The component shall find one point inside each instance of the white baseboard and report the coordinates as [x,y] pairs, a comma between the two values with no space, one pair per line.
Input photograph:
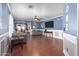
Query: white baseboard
[69,37]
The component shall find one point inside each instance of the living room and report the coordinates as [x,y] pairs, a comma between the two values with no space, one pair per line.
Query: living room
[38,29]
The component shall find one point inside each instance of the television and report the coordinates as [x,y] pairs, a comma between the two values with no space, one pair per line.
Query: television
[49,24]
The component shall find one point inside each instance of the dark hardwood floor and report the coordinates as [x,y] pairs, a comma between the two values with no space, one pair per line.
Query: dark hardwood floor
[39,46]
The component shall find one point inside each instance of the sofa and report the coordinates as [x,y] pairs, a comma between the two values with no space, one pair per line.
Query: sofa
[37,32]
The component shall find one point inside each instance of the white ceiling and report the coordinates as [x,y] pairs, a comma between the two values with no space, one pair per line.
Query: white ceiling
[21,11]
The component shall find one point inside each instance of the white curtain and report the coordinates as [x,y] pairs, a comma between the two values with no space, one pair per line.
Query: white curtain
[11,25]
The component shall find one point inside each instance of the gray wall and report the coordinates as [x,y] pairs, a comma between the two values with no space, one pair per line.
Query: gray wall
[69,38]
[4,18]
[58,23]
[4,28]
[72,22]
[0,18]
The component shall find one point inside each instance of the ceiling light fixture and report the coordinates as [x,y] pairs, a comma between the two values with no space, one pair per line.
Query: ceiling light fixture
[36,18]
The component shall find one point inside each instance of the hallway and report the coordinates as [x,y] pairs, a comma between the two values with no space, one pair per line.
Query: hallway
[39,46]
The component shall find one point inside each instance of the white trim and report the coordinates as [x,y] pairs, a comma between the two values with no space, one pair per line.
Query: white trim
[49,19]
[77,29]
[77,21]
[77,26]
[9,7]
[65,52]
[3,36]
[69,37]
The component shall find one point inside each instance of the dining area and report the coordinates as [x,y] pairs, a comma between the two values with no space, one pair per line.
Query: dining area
[18,39]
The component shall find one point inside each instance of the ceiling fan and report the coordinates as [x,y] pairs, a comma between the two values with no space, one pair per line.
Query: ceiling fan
[38,18]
